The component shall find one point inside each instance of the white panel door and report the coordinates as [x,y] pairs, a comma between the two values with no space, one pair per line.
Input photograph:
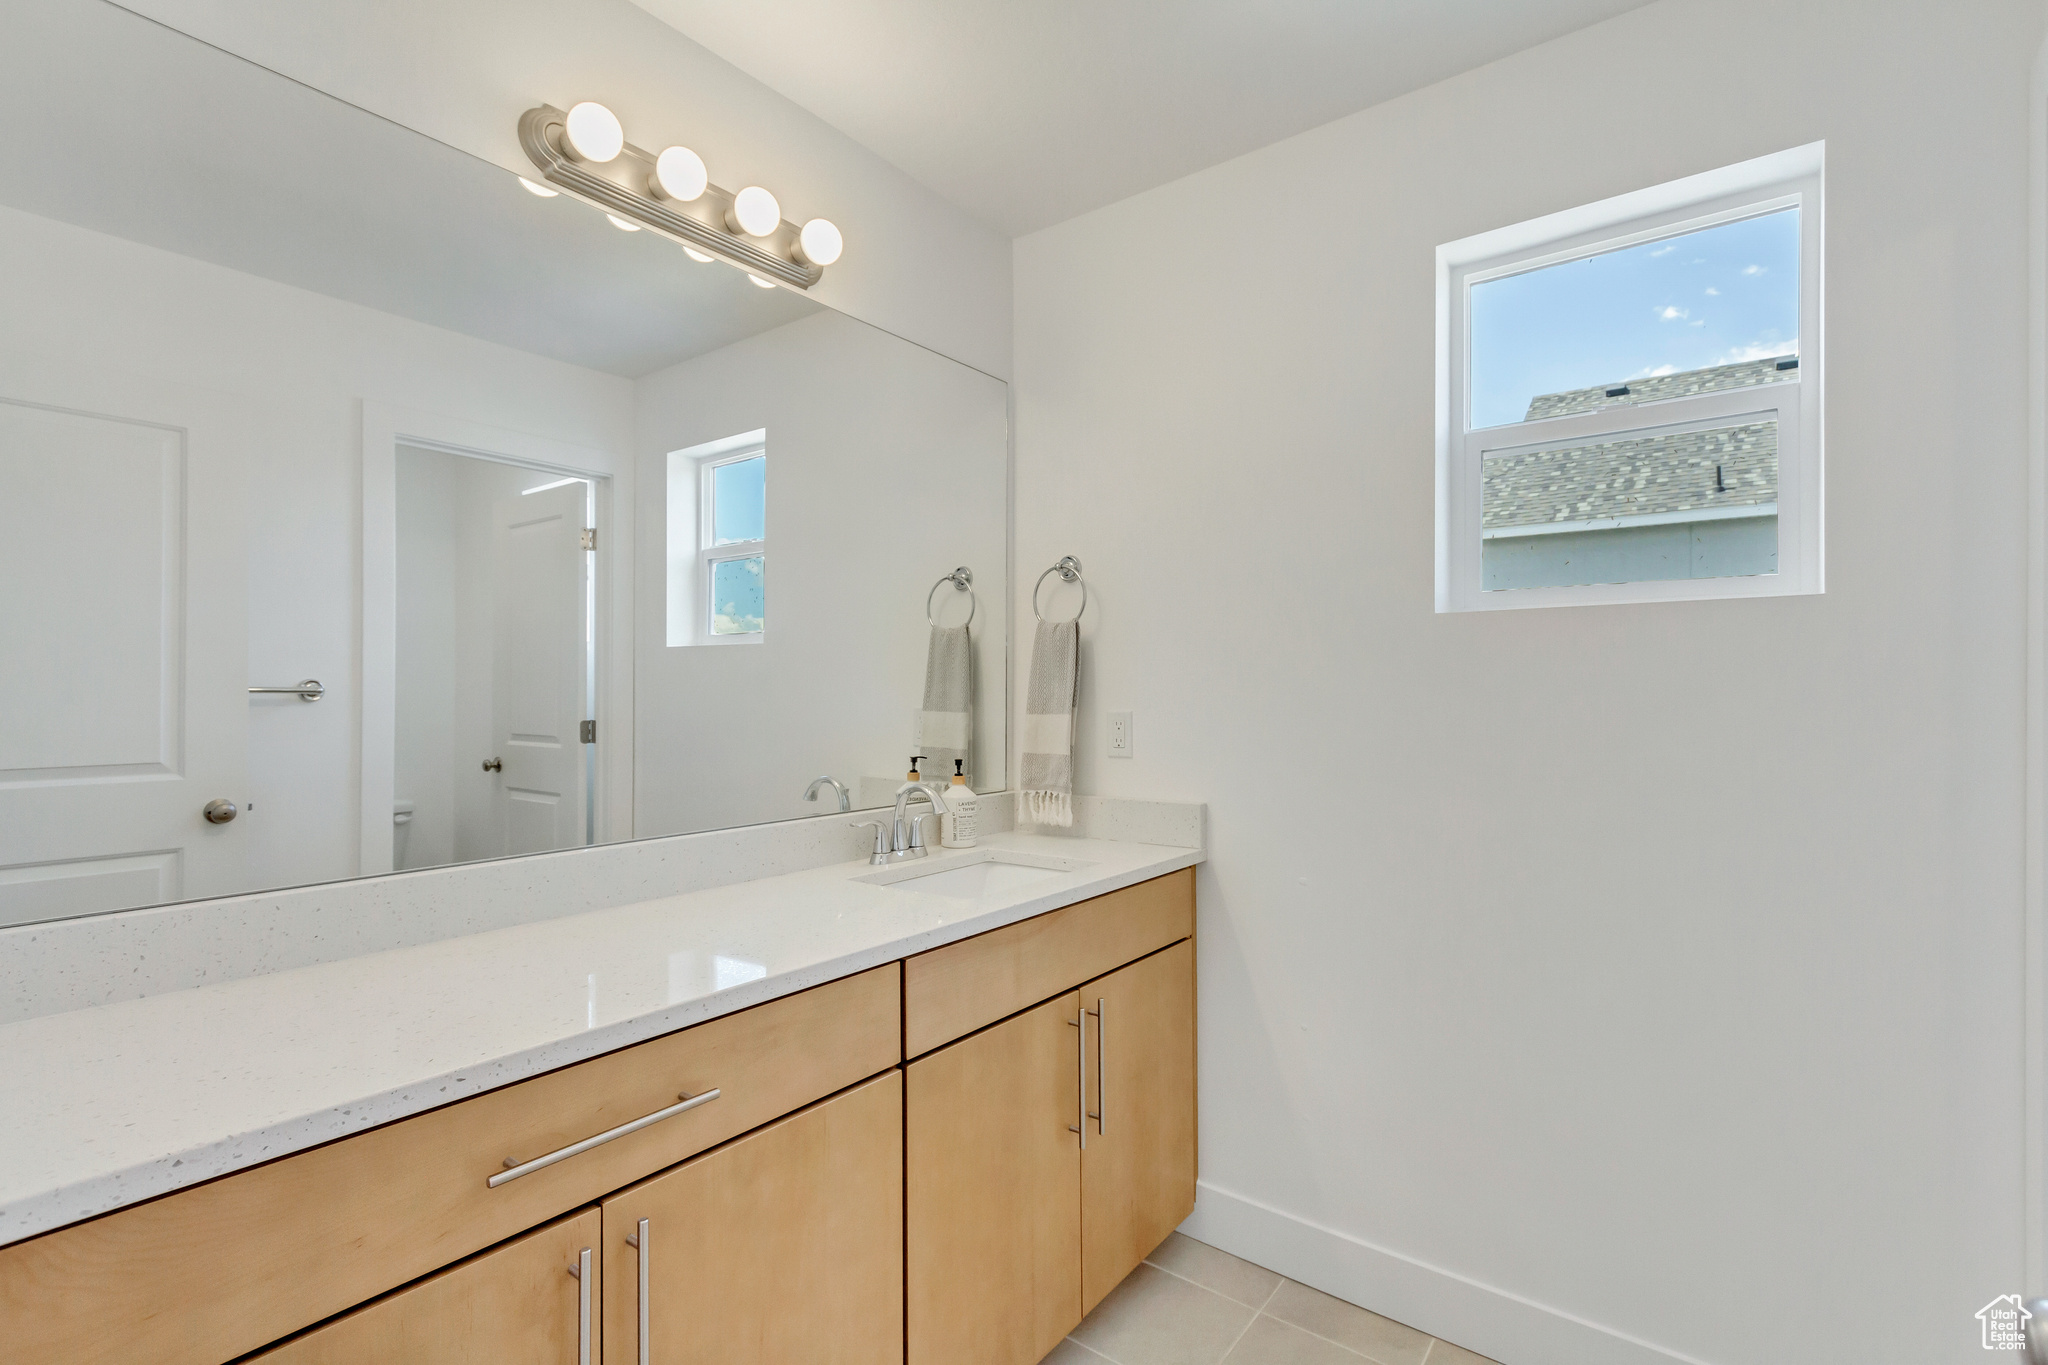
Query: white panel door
[539,662]
[123,643]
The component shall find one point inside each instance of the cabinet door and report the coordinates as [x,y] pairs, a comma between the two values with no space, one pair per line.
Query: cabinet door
[782,1246]
[1138,1172]
[524,1303]
[993,1192]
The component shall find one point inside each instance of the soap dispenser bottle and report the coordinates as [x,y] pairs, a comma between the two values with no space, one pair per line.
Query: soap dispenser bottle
[960,824]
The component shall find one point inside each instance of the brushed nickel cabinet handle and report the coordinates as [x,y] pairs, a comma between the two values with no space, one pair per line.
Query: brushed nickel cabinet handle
[1081,1052]
[1101,1114]
[581,1270]
[638,1241]
[494,765]
[516,1169]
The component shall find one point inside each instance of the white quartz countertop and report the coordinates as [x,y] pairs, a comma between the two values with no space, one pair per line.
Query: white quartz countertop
[106,1106]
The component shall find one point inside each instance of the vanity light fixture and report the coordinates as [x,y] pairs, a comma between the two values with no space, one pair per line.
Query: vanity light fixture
[679,174]
[819,242]
[584,152]
[754,212]
[591,132]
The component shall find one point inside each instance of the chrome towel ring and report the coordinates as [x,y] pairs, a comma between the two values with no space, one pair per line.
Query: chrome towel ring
[1069,570]
[962,580]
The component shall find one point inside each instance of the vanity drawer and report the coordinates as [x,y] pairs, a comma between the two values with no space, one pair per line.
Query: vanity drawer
[206,1274]
[951,991]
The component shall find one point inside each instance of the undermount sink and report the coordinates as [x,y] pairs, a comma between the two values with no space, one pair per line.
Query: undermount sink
[990,875]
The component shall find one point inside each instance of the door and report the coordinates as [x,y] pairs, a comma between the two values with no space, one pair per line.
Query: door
[531,1301]
[123,701]
[1138,1172]
[992,1222]
[782,1246]
[540,659]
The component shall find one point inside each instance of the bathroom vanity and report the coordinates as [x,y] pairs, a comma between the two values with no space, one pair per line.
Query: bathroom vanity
[906,1125]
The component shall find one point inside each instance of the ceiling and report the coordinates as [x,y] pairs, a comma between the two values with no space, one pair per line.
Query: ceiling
[126,127]
[1025,114]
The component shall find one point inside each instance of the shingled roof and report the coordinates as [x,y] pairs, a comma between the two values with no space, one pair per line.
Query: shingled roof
[1718,470]
[1683,384]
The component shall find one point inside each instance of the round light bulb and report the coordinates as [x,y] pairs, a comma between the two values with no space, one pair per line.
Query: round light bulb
[820,242]
[592,133]
[756,212]
[697,255]
[621,224]
[761,283]
[678,174]
[542,190]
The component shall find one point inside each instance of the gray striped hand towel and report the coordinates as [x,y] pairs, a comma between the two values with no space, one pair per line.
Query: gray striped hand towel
[946,725]
[1045,788]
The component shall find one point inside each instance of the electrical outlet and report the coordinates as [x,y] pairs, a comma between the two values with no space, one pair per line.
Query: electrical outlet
[1121,743]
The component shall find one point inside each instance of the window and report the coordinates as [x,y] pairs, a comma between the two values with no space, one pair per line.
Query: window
[718,541]
[1630,397]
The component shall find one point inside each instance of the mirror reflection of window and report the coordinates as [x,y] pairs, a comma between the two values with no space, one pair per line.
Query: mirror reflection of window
[718,541]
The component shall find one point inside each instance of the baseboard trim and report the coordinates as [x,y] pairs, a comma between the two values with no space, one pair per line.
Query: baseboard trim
[1510,1329]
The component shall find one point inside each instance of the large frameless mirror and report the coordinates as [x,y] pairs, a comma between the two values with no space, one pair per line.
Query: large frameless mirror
[367,511]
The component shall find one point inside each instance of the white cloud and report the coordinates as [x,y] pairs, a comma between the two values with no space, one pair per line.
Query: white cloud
[1665,250]
[1754,269]
[1713,291]
[1658,373]
[1672,313]
[1697,322]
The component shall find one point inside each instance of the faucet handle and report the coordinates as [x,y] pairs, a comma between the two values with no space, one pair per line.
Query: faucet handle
[881,850]
[917,827]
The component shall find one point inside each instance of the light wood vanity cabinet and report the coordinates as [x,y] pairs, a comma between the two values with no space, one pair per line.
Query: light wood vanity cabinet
[833,1204]
[784,1246]
[1047,1154]
[528,1302]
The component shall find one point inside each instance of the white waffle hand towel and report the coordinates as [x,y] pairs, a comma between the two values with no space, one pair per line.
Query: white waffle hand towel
[946,725]
[1045,789]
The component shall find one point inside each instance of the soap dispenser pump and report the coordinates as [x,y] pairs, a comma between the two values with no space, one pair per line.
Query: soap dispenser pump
[913,775]
[960,824]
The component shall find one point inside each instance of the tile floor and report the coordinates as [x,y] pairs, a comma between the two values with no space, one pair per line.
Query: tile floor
[1190,1304]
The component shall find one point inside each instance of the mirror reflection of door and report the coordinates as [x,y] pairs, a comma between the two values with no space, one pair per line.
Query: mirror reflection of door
[496,665]
[123,699]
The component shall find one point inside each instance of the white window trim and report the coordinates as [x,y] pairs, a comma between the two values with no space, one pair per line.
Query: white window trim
[1767,184]
[689,564]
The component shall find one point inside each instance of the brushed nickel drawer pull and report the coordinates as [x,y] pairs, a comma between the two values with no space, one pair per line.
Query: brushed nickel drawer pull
[578,1148]
[581,1270]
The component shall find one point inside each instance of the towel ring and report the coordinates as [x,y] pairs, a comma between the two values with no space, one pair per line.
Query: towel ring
[1069,570]
[962,580]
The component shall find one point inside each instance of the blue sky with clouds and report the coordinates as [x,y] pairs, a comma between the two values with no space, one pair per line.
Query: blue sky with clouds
[1711,297]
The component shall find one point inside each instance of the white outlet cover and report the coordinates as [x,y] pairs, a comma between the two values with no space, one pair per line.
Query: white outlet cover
[1122,740]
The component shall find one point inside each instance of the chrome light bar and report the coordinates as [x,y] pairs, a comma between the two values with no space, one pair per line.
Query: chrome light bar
[620,186]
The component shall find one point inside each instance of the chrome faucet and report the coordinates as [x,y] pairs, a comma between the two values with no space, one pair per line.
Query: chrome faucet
[909,837]
[811,792]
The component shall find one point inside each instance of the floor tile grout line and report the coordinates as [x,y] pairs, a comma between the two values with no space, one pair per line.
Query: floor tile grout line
[1091,1350]
[1217,1292]
[1256,1312]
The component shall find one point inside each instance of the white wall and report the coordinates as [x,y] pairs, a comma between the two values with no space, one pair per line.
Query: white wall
[1605,984]
[305,365]
[463,71]
[887,467]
